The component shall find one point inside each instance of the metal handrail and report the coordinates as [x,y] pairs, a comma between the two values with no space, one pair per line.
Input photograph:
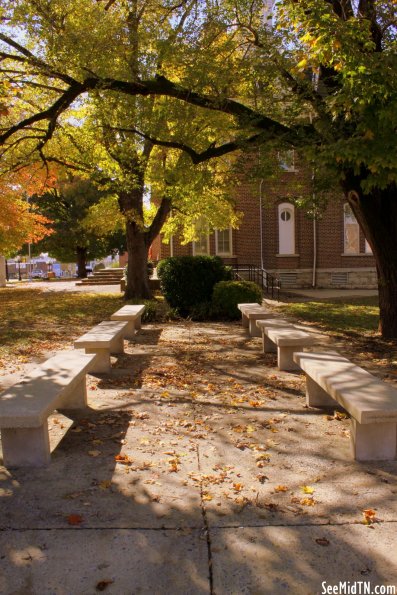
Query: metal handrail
[267,282]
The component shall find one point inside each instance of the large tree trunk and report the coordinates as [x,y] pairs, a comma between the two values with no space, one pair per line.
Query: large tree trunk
[137,282]
[376,213]
[81,261]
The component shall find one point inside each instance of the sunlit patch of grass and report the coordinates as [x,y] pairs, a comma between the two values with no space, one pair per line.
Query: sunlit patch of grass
[32,320]
[359,315]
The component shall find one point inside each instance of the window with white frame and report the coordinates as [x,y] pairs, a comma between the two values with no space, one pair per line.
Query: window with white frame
[223,240]
[286,228]
[351,231]
[202,244]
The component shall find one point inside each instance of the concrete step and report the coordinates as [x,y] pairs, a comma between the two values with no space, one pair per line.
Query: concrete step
[93,282]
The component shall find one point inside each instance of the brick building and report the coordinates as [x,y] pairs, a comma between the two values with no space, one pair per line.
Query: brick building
[326,252]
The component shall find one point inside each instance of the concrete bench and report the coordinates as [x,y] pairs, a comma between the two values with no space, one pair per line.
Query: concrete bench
[250,313]
[243,308]
[288,339]
[132,314]
[267,345]
[103,339]
[58,383]
[370,402]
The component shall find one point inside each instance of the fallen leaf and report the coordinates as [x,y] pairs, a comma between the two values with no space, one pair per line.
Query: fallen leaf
[75,519]
[322,541]
[281,489]
[104,485]
[102,585]
[238,487]
[307,489]
[94,453]
[207,497]
[123,459]
[369,516]
[307,501]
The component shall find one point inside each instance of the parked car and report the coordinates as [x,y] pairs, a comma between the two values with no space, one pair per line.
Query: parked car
[38,274]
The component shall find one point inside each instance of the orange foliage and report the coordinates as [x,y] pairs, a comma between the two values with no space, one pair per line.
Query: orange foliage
[19,222]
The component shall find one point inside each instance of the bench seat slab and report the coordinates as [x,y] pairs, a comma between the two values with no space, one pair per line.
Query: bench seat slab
[26,447]
[103,339]
[267,345]
[253,316]
[244,308]
[132,315]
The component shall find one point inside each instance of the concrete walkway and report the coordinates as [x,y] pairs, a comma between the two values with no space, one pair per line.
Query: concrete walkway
[197,469]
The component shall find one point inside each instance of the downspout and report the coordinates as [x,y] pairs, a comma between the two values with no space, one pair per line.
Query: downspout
[314,278]
[261,222]
[314,274]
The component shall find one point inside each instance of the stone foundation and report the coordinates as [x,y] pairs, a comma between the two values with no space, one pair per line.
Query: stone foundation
[345,278]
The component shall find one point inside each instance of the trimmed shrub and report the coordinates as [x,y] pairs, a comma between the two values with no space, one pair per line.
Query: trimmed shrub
[187,281]
[155,310]
[227,294]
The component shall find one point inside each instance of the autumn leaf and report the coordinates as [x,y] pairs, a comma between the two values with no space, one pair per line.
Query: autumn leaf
[123,459]
[104,485]
[102,585]
[94,453]
[74,519]
[207,497]
[308,502]
[281,488]
[238,487]
[322,541]
[369,516]
[307,489]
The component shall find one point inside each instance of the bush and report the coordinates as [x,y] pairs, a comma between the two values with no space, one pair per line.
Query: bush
[187,282]
[155,310]
[227,294]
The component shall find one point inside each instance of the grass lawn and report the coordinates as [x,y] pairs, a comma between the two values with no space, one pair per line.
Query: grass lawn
[356,316]
[33,321]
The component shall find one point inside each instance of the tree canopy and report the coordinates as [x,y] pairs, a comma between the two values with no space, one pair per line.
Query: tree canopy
[152,79]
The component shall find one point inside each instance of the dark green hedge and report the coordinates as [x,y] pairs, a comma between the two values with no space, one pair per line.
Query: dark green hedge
[227,294]
[187,282]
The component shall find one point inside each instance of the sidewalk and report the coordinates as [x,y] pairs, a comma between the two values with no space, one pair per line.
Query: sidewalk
[197,469]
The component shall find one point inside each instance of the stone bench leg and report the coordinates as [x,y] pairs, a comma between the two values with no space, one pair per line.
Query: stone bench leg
[373,442]
[267,345]
[138,324]
[101,363]
[117,346]
[26,447]
[130,330]
[254,331]
[285,360]
[317,396]
[244,320]
[76,398]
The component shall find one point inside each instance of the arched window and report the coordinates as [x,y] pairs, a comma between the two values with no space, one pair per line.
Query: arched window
[351,231]
[286,228]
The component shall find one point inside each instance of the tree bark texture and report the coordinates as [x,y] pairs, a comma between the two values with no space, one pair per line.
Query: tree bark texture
[376,213]
[81,261]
